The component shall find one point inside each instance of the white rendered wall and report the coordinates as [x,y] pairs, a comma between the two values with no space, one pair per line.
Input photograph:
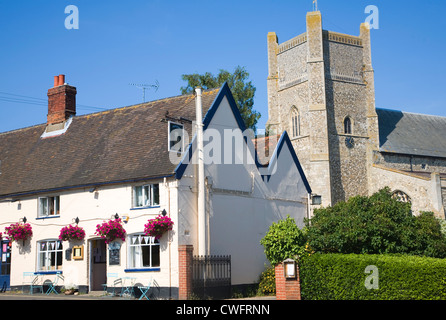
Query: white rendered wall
[91,209]
[240,205]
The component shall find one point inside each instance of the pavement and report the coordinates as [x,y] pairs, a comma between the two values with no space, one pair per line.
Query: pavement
[93,295]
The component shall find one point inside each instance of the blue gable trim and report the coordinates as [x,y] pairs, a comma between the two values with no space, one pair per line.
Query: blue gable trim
[284,139]
[181,167]
[224,92]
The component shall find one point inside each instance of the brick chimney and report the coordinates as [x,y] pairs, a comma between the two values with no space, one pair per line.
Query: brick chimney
[61,101]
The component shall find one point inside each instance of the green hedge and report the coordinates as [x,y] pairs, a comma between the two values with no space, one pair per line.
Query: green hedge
[343,277]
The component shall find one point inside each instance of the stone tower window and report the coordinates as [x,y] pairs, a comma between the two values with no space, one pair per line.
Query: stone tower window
[295,122]
[401,196]
[347,125]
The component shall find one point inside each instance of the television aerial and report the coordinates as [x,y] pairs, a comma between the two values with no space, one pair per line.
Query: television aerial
[144,87]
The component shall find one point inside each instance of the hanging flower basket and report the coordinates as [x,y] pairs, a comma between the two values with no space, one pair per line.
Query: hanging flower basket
[111,230]
[19,231]
[72,233]
[158,226]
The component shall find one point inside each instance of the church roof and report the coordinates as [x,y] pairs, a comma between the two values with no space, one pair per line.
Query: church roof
[120,145]
[411,133]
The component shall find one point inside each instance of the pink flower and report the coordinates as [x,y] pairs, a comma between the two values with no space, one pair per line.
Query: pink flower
[111,230]
[72,233]
[19,231]
[158,226]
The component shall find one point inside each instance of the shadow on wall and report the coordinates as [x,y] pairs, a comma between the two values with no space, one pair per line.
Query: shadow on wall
[388,120]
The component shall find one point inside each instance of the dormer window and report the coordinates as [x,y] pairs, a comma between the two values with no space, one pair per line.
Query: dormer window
[176,137]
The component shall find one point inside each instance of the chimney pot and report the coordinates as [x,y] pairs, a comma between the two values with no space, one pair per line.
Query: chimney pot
[61,79]
[56,81]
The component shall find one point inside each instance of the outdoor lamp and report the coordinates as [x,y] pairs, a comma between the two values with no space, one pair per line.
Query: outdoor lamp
[24,219]
[316,199]
[289,269]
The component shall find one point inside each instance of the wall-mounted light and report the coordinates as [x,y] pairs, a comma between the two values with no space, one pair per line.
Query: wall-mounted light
[76,220]
[116,216]
[289,269]
[316,199]
[164,212]
[24,219]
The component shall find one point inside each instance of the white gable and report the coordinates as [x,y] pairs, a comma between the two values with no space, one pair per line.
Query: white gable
[242,198]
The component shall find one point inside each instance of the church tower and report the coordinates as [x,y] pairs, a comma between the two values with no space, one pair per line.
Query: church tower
[321,91]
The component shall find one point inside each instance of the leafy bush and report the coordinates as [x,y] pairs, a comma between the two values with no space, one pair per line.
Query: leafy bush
[426,237]
[267,282]
[283,240]
[400,277]
[377,224]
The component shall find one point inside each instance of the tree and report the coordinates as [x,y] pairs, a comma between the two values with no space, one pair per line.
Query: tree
[242,90]
[375,225]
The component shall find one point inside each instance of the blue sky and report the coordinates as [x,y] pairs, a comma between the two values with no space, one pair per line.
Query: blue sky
[136,41]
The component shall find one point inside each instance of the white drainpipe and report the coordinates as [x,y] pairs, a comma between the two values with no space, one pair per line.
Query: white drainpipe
[200,175]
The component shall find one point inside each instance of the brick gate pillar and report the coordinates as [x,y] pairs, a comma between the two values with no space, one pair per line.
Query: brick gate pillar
[185,254]
[287,289]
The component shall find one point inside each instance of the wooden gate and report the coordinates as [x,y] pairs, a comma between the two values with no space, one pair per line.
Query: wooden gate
[211,277]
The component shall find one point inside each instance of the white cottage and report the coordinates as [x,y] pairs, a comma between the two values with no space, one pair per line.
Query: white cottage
[136,163]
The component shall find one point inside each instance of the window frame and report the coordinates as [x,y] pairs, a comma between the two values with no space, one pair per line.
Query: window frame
[46,266]
[169,147]
[295,122]
[151,243]
[150,194]
[55,205]
[350,125]
[401,196]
